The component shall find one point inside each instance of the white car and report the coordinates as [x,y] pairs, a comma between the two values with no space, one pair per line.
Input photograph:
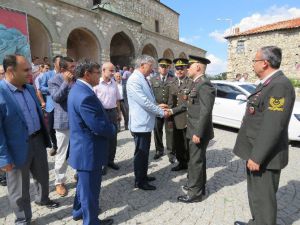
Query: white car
[230,106]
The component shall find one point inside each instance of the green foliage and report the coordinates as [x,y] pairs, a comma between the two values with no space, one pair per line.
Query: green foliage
[295,82]
[220,76]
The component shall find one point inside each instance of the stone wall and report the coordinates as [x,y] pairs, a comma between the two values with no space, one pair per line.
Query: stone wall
[288,40]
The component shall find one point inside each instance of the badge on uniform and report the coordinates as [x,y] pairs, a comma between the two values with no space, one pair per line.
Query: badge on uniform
[276,104]
[251,110]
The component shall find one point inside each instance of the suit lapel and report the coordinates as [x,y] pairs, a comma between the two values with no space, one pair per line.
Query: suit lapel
[12,100]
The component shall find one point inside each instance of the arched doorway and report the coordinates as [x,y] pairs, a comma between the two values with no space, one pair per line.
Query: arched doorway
[168,54]
[39,38]
[81,44]
[182,55]
[121,50]
[149,49]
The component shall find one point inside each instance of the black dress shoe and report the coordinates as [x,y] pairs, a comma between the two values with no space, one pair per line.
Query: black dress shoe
[149,179]
[113,166]
[189,199]
[49,204]
[158,155]
[239,223]
[179,167]
[146,187]
[107,222]
[3,180]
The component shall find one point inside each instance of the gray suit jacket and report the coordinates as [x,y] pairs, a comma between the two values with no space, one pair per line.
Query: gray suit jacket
[263,136]
[59,90]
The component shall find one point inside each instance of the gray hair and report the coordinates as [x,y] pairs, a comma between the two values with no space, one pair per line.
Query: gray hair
[85,65]
[273,55]
[144,59]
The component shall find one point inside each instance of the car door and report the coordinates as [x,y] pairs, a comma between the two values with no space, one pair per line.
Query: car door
[227,110]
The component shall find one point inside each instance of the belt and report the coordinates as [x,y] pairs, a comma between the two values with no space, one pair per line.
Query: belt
[34,134]
[110,110]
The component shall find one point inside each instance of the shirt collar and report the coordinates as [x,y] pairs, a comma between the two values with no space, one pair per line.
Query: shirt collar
[12,87]
[102,81]
[267,77]
[86,83]
[198,76]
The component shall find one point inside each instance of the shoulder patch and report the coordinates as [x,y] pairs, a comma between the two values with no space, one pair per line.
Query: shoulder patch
[276,104]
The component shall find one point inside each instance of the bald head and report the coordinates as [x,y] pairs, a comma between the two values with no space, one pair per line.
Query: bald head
[108,71]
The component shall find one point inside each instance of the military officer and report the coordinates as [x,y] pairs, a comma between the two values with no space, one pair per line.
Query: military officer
[178,95]
[263,138]
[199,128]
[160,85]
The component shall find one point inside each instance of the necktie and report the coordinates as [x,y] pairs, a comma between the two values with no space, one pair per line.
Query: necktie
[163,79]
[179,83]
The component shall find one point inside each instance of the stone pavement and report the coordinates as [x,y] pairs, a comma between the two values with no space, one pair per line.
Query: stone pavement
[226,187]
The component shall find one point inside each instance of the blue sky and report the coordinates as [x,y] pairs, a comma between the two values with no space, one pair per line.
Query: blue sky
[198,24]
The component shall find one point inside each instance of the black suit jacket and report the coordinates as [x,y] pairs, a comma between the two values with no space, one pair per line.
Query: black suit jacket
[263,136]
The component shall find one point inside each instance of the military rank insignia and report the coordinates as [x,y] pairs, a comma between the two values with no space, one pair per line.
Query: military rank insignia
[276,104]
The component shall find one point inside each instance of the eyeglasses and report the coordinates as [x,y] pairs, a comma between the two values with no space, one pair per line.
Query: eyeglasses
[257,60]
[180,67]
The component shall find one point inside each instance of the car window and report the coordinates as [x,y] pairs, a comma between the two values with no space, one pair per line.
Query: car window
[248,87]
[227,91]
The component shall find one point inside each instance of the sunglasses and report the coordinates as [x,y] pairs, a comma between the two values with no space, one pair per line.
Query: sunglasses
[164,66]
[180,67]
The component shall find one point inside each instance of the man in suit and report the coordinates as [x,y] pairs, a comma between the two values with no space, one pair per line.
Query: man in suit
[49,102]
[121,84]
[90,130]
[59,88]
[199,128]
[263,138]
[23,140]
[160,85]
[142,113]
[178,95]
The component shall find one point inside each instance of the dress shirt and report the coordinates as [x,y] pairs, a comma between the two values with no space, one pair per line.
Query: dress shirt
[107,93]
[267,77]
[120,87]
[27,106]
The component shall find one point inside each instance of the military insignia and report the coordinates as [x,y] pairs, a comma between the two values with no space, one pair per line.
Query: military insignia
[251,110]
[276,104]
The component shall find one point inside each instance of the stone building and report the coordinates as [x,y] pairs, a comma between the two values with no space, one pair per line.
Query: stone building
[242,47]
[103,30]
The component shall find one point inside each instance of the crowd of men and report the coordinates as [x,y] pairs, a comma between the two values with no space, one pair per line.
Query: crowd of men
[75,110]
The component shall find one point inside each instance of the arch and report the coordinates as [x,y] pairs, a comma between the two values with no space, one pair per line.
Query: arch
[182,55]
[82,43]
[39,38]
[149,49]
[121,50]
[168,53]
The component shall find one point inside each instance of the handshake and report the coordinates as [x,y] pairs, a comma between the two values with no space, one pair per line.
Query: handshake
[167,112]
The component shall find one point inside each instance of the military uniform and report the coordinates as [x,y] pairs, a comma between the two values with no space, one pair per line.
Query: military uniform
[263,138]
[179,91]
[160,86]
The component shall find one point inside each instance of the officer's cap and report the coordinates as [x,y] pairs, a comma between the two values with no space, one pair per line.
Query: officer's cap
[181,62]
[164,61]
[198,59]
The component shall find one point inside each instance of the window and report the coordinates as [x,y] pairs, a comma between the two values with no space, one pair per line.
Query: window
[248,87]
[157,26]
[240,47]
[227,91]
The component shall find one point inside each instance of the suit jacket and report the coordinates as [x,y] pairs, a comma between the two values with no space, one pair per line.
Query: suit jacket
[142,105]
[200,106]
[13,128]
[263,136]
[178,101]
[90,129]
[160,88]
[59,90]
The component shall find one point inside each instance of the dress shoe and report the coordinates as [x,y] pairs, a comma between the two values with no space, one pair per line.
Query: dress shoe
[179,167]
[158,155]
[104,170]
[113,166]
[61,190]
[77,218]
[3,180]
[53,152]
[189,199]
[149,179]
[107,222]
[239,223]
[49,204]
[172,159]
[146,187]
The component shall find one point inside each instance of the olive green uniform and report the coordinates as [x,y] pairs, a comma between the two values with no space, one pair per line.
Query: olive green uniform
[263,138]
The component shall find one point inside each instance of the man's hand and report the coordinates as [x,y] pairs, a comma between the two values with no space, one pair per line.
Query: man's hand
[252,166]
[196,139]
[68,76]
[43,105]
[163,106]
[166,113]
[7,168]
